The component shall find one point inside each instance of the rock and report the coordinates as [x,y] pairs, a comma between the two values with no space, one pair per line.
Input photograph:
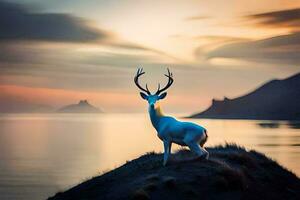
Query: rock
[82,107]
[275,100]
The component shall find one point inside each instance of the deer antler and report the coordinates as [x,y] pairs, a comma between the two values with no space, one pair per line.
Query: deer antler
[136,80]
[170,82]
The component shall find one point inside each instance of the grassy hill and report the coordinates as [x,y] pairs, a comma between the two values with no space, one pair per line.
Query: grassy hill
[230,173]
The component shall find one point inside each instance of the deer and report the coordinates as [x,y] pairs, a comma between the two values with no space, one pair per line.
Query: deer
[169,129]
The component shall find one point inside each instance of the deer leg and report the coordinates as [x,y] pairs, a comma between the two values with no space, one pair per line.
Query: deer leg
[206,152]
[194,147]
[170,147]
[167,148]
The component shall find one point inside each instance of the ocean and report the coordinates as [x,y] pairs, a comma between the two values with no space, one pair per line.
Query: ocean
[41,154]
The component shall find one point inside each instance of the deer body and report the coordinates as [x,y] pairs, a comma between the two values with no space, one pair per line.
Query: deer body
[169,129]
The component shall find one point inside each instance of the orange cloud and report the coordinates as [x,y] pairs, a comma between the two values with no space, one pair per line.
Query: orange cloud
[107,101]
[60,97]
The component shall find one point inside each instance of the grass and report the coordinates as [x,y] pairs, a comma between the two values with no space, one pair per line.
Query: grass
[232,172]
[140,194]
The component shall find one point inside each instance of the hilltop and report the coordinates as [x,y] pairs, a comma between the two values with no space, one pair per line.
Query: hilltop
[231,173]
[82,107]
[275,100]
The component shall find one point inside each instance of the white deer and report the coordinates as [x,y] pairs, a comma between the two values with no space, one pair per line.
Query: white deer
[170,130]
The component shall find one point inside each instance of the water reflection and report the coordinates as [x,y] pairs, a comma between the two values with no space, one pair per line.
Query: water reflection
[42,154]
[277,124]
[294,124]
[269,124]
[274,145]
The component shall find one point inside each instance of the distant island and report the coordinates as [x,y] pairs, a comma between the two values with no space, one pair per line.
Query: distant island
[275,100]
[231,173]
[82,107]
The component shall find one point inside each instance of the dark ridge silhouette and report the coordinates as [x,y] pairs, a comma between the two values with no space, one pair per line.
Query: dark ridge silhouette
[230,173]
[82,107]
[275,100]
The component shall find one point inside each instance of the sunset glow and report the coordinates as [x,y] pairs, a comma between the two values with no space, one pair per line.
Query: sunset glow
[94,48]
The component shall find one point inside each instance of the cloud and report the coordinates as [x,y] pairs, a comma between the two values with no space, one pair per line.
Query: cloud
[218,39]
[286,18]
[17,23]
[211,42]
[197,18]
[26,42]
[278,49]
[73,66]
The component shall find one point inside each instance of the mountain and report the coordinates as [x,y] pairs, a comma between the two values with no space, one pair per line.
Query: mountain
[82,107]
[275,100]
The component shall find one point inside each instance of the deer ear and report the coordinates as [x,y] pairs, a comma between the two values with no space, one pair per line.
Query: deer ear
[163,95]
[144,96]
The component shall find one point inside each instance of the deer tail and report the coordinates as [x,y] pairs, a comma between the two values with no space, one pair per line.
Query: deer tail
[204,139]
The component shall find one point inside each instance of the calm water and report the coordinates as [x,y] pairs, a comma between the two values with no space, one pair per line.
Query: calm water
[43,154]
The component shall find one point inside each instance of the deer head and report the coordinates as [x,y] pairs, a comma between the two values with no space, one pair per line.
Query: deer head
[146,94]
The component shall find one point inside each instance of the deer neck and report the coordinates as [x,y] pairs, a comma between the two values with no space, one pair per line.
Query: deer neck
[155,115]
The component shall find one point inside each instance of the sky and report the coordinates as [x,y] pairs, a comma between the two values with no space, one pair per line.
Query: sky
[60,51]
